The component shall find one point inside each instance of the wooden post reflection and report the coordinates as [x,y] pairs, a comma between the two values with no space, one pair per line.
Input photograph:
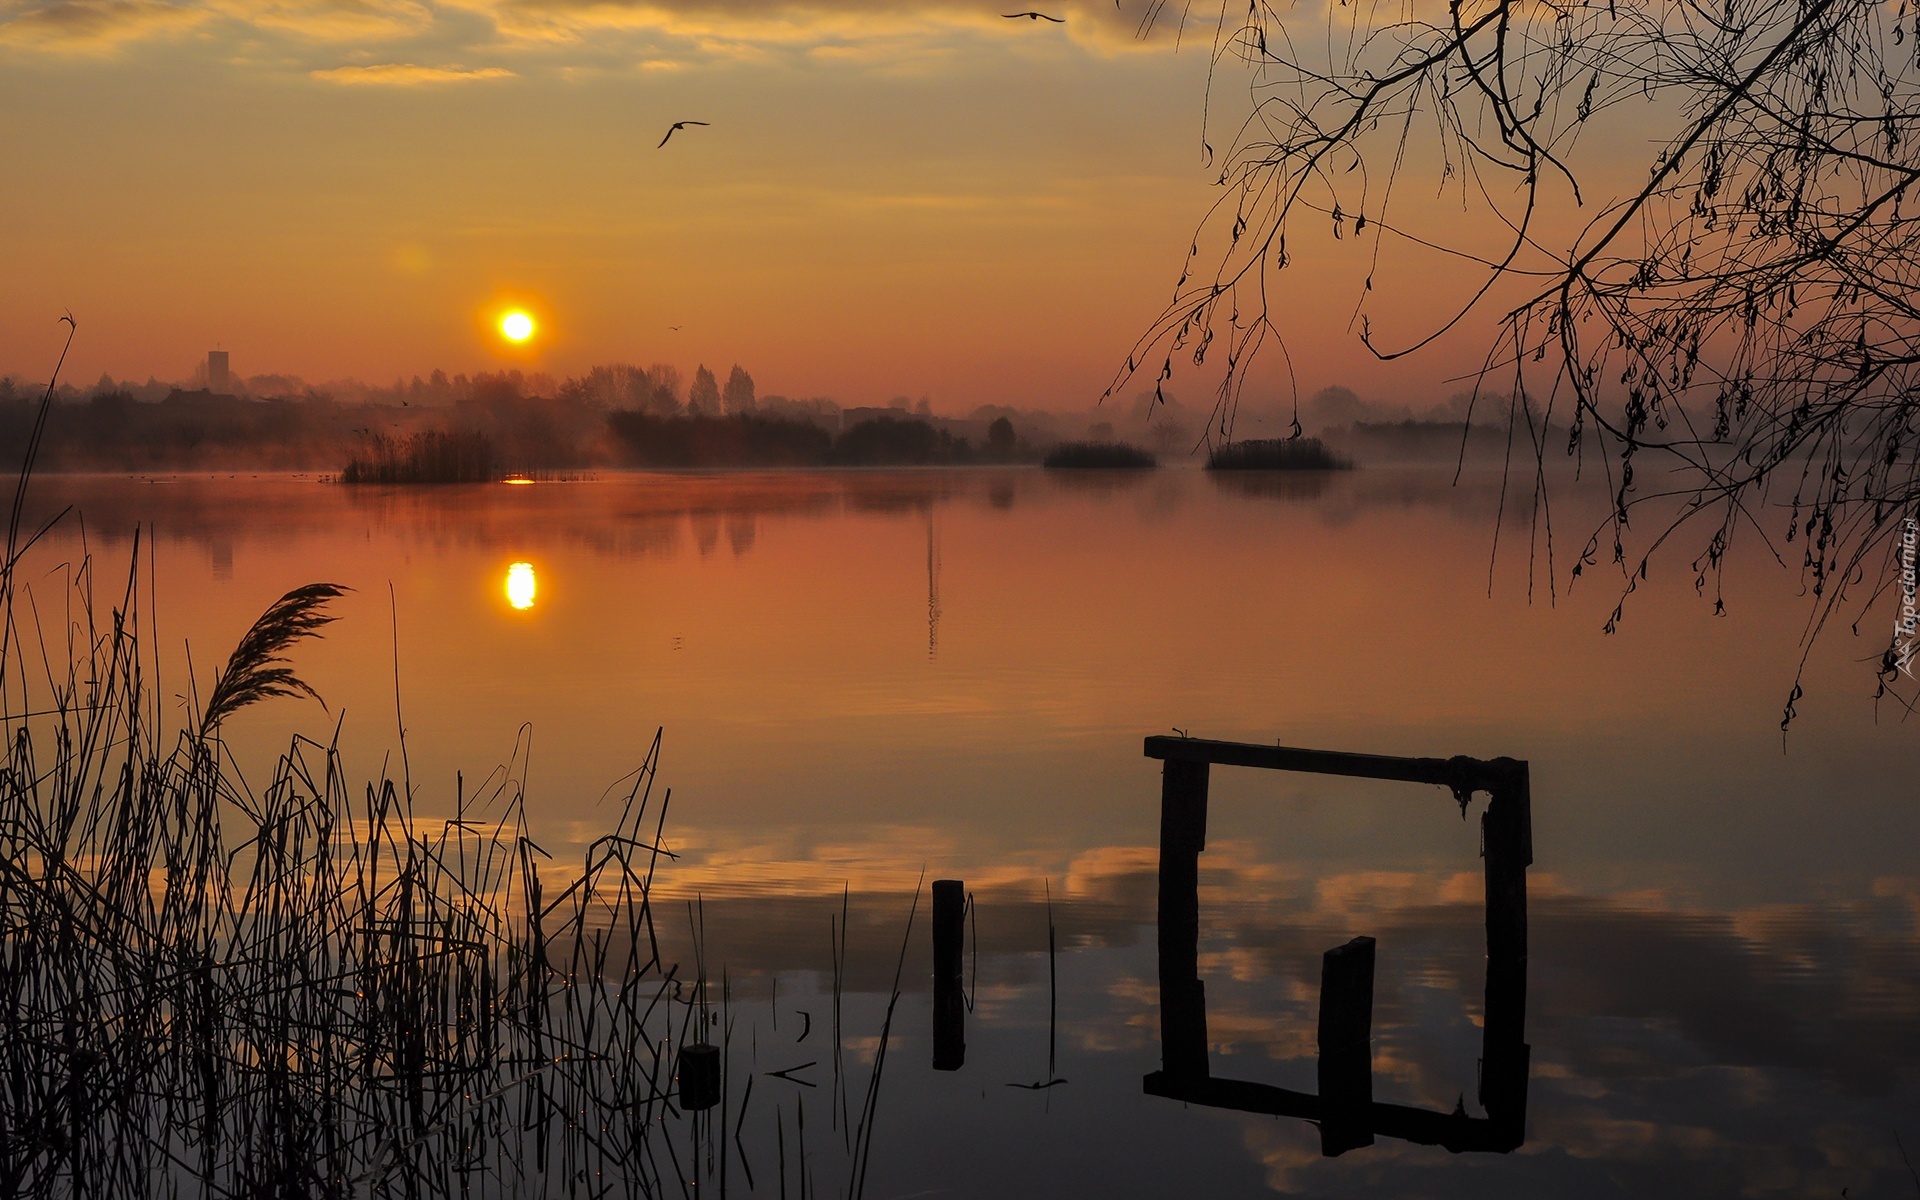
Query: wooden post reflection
[1183,1001]
[1506,830]
[1346,1047]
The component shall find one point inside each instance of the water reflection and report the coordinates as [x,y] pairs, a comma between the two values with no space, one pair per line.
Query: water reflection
[1665,1054]
[659,515]
[872,672]
[1274,485]
[521,586]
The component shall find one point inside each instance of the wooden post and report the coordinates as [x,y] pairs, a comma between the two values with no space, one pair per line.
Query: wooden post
[1507,835]
[1346,1047]
[949,994]
[699,1077]
[1183,835]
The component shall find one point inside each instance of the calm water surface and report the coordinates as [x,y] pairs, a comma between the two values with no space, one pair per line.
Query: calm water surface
[865,678]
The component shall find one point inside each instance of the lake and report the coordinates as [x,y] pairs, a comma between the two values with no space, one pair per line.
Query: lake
[867,679]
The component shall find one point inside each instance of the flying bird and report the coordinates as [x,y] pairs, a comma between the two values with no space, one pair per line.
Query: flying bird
[676,127]
[1034,16]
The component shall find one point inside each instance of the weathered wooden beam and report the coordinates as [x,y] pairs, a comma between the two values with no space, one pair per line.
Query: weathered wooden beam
[1455,1131]
[1460,773]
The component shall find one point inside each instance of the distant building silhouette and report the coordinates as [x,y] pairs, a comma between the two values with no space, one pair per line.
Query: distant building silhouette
[218,378]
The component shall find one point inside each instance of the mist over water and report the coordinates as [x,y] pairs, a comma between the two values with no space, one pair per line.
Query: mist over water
[867,677]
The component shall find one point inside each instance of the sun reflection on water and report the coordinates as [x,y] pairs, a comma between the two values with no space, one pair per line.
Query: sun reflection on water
[520,585]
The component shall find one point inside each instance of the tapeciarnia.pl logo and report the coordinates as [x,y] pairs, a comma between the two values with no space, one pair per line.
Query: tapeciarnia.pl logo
[1908,622]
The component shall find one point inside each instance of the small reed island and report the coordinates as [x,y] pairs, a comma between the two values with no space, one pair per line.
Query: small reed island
[1276,454]
[432,456]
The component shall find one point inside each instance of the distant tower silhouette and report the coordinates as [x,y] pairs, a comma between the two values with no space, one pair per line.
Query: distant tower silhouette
[933,587]
[217,377]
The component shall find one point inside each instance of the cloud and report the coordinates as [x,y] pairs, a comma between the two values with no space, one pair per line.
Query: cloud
[652,34]
[841,32]
[407,75]
[94,26]
[330,20]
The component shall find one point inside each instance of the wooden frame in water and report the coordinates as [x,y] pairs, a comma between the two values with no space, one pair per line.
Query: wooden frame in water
[1344,1109]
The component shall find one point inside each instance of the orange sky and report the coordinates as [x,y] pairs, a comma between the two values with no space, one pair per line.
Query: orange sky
[917,199]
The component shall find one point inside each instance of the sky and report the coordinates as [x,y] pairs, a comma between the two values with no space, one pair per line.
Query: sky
[891,199]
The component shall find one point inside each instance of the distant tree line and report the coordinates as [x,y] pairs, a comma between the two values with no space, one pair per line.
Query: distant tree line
[657,392]
[612,415]
[749,439]
[460,428]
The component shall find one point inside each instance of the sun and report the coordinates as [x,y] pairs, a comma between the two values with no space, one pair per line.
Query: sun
[516,326]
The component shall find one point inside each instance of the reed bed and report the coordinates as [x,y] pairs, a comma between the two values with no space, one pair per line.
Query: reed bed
[308,991]
[313,990]
[1276,454]
[432,456]
[299,992]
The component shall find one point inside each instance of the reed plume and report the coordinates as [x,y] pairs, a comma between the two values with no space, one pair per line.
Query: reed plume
[258,669]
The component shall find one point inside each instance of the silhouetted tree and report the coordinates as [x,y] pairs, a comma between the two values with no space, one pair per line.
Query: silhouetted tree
[703,398]
[889,441]
[643,439]
[1334,406]
[1169,434]
[497,387]
[738,394]
[616,386]
[1000,437]
[1744,310]
[665,380]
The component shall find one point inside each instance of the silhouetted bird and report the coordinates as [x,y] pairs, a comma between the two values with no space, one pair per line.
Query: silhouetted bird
[1034,16]
[676,127]
[676,328]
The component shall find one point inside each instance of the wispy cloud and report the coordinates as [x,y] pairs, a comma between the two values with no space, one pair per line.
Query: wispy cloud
[330,20]
[867,34]
[93,26]
[407,75]
[862,31]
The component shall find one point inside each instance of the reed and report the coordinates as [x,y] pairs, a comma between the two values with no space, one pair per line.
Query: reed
[1276,454]
[316,990]
[297,991]
[432,456]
